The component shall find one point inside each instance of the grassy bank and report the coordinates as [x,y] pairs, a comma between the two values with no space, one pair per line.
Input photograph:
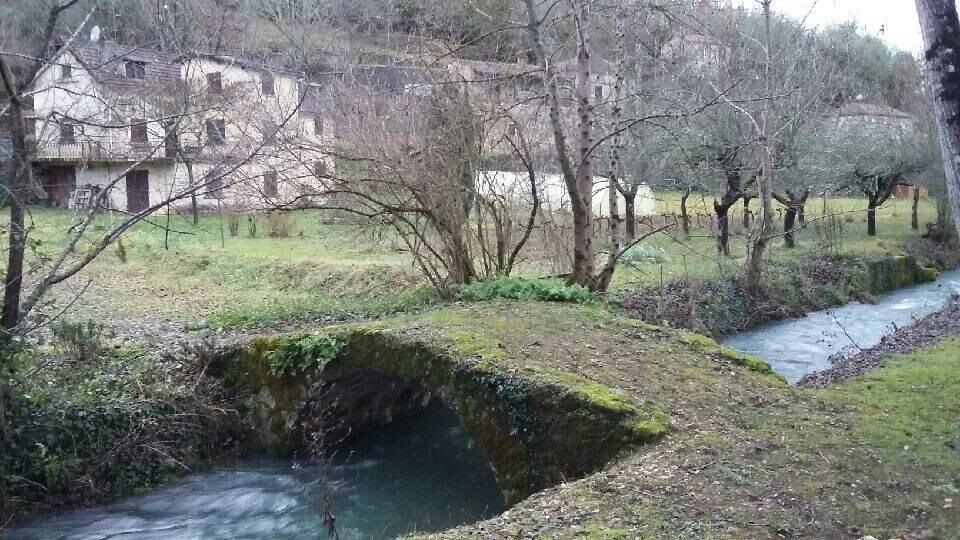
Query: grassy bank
[751,458]
[719,306]
[745,455]
[171,272]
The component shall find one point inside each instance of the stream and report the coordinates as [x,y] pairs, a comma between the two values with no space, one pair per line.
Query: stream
[796,347]
[419,474]
[425,473]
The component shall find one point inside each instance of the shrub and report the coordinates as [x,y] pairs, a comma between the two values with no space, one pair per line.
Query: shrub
[515,288]
[252,225]
[81,342]
[642,254]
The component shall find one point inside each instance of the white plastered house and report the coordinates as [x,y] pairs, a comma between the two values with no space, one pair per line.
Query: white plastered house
[148,127]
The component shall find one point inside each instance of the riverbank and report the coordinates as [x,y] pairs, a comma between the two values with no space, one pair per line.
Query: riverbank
[719,307]
[927,331]
[752,458]
[744,454]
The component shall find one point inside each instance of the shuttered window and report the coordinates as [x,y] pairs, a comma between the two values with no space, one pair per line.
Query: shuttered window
[215,82]
[267,84]
[216,131]
[270,187]
[138,130]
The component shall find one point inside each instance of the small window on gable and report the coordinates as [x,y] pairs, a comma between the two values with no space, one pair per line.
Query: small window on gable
[213,182]
[215,82]
[66,71]
[136,69]
[138,130]
[270,187]
[67,133]
[598,91]
[216,131]
[268,85]
[512,130]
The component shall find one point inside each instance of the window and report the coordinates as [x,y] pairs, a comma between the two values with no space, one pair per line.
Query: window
[317,124]
[216,131]
[214,184]
[320,169]
[270,188]
[66,71]
[267,85]
[138,130]
[67,135]
[512,130]
[598,91]
[215,82]
[136,69]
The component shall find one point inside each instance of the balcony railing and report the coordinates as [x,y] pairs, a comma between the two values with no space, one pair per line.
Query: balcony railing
[111,150]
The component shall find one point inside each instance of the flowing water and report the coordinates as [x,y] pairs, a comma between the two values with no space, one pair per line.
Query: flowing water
[422,474]
[798,346]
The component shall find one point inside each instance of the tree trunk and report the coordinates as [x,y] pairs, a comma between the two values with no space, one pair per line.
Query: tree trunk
[746,212]
[941,36]
[723,228]
[630,211]
[872,217]
[789,222]
[754,272]
[914,218]
[20,183]
[684,213]
[802,212]
[584,250]
[578,179]
[602,282]
[194,209]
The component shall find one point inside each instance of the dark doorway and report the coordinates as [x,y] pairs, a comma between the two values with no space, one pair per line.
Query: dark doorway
[59,183]
[138,191]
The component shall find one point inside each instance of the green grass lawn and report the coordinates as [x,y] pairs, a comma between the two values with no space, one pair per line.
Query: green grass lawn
[672,255]
[201,275]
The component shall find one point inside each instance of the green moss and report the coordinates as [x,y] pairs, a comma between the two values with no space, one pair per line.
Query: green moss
[704,343]
[751,362]
[537,425]
[599,531]
[891,273]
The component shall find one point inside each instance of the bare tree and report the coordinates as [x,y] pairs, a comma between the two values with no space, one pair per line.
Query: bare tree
[941,36]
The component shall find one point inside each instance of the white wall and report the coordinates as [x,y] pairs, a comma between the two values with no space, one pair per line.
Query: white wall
[553,191]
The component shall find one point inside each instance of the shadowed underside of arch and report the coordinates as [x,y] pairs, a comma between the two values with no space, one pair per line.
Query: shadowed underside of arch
[537,429]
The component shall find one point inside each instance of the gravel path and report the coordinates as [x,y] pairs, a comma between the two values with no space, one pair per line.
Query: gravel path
[926,331]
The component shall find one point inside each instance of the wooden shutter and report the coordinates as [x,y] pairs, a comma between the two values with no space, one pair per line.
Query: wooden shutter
[138,130]
[270,187]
